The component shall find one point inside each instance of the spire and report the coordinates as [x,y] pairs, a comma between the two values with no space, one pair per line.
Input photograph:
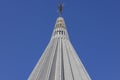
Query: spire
[60,8]
[59,61]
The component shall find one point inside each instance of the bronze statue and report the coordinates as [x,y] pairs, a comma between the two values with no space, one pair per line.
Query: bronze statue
[60,8]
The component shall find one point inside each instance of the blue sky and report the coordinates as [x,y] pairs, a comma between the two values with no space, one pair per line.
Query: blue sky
[26,27]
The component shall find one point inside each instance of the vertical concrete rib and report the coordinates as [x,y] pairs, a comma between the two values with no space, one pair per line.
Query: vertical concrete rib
[62,62]
[52,71]
[51,60]
[40,62]
[43,72]
[57,69]
[68,74]
[73,64]
[80,66]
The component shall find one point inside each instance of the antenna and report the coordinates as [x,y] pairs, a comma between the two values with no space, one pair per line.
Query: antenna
[60,8]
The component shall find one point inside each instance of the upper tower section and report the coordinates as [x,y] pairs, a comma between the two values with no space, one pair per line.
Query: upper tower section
[60,30]
[60,23]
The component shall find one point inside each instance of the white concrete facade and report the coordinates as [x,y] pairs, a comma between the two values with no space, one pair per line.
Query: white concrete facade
[59,60]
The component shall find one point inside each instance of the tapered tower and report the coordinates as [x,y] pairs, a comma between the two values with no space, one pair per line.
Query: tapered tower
[59,60]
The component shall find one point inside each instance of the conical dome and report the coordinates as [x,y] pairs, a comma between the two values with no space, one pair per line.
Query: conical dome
[59,60]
